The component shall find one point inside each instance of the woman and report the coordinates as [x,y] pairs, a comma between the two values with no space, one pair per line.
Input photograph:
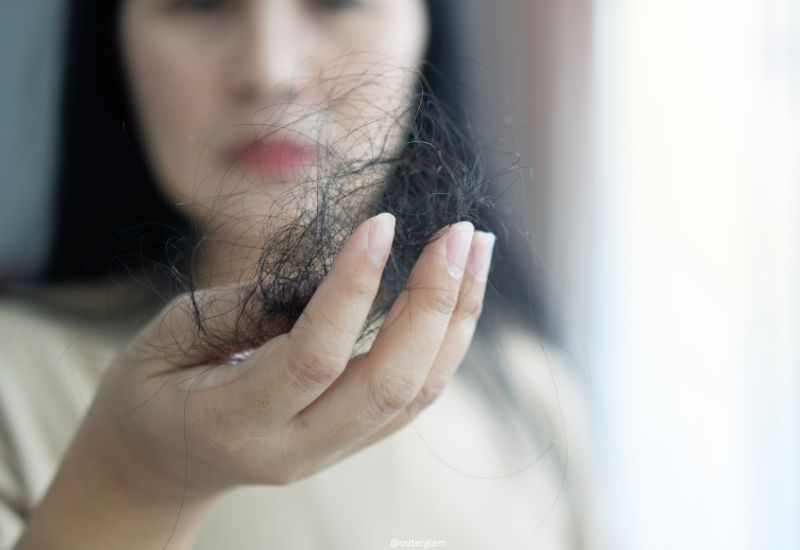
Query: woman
[294,276]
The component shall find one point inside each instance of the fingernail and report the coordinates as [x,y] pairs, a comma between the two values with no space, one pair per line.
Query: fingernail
[458,244]
[480,257]
[381,235]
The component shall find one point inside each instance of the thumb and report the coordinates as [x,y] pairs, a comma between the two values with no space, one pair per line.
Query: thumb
[206,326]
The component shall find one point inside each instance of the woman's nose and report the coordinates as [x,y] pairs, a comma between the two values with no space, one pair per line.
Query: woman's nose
[273,52]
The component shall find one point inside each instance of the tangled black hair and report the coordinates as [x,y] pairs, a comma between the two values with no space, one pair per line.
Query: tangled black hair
[110,213]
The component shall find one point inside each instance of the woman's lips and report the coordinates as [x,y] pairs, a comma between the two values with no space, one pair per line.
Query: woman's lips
[273,156]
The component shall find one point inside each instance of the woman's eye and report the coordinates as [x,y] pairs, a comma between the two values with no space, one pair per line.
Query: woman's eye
[199,5]
[337,4]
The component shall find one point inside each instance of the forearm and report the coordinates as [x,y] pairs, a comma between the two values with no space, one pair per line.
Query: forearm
[96,501]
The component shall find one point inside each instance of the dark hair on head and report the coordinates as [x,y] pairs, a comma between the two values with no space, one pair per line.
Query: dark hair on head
[106,197]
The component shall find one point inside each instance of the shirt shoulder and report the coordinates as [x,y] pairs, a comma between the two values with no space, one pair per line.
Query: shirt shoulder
[50,365]
[47,356]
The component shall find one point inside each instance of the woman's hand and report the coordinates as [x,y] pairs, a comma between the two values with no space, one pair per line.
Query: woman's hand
[188,429]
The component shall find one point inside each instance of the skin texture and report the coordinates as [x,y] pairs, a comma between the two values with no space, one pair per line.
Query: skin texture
[173,423]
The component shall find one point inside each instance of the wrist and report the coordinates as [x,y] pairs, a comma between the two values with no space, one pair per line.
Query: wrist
[101,498]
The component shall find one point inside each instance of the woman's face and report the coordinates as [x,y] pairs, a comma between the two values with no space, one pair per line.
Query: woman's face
[240,101]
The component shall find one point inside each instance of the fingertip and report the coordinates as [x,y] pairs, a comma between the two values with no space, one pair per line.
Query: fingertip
[380,237]
[459,242]
[480,256]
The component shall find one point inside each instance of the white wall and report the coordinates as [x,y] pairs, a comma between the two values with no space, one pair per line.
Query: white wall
[696,273]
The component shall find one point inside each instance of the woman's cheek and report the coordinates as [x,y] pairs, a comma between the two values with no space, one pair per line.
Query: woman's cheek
[172,104]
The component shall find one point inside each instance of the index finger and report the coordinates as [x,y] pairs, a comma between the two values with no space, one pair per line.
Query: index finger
[321,342]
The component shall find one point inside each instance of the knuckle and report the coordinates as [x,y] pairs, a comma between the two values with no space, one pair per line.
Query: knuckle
[441,301]
[389,396]
[362,286]
[430,392]
[469,308]
[310,369]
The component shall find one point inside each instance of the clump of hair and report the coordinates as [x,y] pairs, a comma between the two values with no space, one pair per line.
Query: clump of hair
[434,178]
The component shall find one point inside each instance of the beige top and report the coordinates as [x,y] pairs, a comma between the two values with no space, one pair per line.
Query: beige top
[449,476]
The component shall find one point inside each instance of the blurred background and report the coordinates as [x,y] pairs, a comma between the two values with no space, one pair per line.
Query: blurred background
[659,186]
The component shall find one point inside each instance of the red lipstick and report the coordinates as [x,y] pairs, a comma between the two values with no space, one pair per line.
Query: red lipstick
[276,155]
